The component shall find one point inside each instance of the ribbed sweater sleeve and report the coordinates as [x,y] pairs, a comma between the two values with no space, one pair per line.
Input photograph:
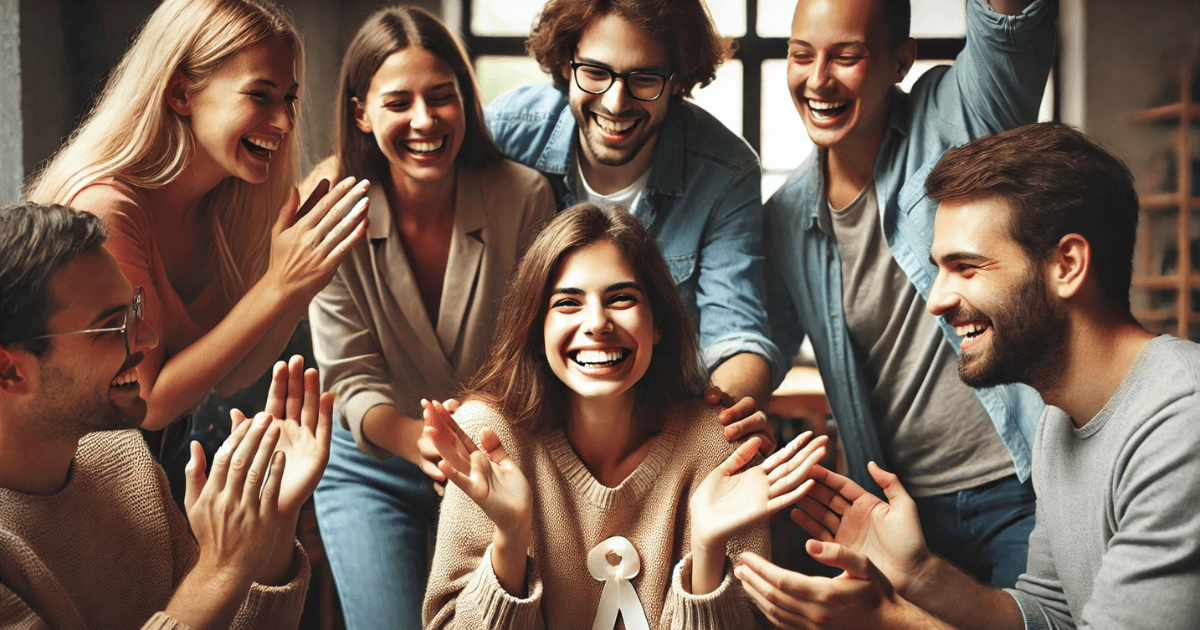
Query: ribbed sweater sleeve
[726,608]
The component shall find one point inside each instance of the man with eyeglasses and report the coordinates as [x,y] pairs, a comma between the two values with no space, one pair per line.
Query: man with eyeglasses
[89,534]
[613,128]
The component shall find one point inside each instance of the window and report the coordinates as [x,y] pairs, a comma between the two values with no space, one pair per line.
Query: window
[750,92]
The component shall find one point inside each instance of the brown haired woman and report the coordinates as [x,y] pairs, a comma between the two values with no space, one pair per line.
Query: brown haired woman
[602,484]
[411,310]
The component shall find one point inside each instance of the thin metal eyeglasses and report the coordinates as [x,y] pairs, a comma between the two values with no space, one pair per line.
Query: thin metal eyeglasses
[641,85]
[132,315]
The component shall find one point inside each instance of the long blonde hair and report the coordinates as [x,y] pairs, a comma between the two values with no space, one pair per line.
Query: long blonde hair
[133,136]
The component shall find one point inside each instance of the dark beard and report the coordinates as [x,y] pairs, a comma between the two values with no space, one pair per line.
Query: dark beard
[1028,347]
[581,121]
[68,408]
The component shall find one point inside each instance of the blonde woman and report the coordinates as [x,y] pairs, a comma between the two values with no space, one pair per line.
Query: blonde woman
[189,157]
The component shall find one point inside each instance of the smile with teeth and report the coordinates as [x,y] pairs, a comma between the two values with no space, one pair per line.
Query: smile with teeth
[599,358]
[614,127]
[125,379]
[425,146]
[262,145]
[827,109]
[971,330]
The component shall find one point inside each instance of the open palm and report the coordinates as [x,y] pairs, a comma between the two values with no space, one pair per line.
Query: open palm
[304,417]
[485,473]
[887,532]
[728,500]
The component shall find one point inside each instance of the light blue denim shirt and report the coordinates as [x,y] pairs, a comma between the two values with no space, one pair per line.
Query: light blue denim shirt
[995,84]
[703,199]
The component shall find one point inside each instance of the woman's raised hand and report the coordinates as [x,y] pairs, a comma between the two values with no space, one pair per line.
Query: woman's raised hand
[728,500]
[309,242]
[487,475]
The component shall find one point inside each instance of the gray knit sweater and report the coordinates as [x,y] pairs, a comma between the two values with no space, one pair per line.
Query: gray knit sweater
[1117,540]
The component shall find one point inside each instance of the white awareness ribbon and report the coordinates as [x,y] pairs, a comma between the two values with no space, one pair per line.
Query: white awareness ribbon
[619,594]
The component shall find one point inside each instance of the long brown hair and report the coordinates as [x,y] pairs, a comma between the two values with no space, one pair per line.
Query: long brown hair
[388,31]
[515,376]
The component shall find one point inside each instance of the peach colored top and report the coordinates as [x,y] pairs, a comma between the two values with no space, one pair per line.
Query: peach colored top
[131,240]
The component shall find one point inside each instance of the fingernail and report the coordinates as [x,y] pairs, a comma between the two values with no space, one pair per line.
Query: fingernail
[362,203]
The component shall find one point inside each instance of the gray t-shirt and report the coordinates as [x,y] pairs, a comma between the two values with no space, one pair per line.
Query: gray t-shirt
[937,434]
[1117,540]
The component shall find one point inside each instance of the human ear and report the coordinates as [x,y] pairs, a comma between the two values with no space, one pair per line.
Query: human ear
[1070,265]
[906,56]
[360,116]
[177,95]
[13,368]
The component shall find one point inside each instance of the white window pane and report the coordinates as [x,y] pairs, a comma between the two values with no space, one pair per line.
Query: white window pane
[783,138]
[939,18]
[729,16]
[930,18]
[498,75]
[723,97]
[506,18]
[771,181]
[1046,112]
[775,18]
[921,67]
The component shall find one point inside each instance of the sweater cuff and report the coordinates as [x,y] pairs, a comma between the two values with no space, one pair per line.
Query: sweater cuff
[163,621]
[725,607]
[277,606]
[1031,610]
[495,606]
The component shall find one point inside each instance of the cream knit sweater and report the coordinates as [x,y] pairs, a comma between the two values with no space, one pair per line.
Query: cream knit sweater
[108,550]
[572,513]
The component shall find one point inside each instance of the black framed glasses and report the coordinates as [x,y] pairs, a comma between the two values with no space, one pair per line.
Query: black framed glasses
[128,328]
[642,85]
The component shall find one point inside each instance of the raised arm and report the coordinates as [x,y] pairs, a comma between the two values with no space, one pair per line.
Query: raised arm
[305,251]
[481,576]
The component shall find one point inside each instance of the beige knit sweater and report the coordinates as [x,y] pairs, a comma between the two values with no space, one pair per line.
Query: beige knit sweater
[572,513]
[107,552]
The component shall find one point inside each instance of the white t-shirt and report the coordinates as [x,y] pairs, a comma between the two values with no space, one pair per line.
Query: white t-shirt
[623,198]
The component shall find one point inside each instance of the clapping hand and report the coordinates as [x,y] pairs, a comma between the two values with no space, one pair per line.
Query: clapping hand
[234,511]
[303,417]
[728,500]
[487,475]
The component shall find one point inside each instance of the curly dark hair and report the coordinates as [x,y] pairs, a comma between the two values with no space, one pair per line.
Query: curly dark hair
[684,28]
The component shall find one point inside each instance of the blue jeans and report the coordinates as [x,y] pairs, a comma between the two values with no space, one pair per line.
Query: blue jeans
[984,530]
[377,521]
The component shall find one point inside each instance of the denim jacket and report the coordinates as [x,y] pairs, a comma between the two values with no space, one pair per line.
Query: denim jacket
[703,199]
[995,84]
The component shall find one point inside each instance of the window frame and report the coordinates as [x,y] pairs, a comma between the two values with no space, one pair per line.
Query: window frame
[752,51]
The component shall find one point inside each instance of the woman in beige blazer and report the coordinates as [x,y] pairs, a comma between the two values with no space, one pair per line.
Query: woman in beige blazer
[410,311]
